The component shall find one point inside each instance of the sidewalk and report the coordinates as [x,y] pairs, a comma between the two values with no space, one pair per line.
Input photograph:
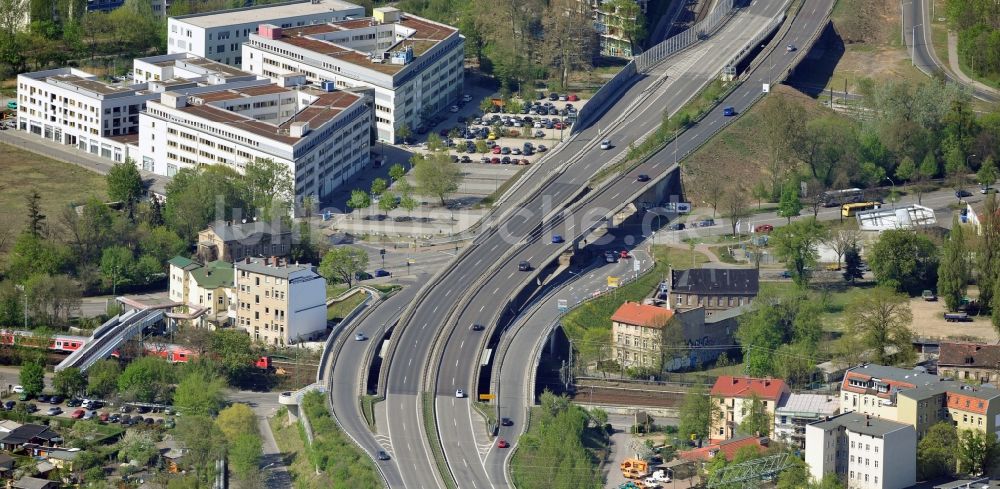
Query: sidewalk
[957,70]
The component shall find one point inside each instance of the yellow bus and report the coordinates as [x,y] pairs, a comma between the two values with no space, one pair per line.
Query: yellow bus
[849,210]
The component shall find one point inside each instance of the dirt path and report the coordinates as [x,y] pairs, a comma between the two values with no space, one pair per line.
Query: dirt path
[928,322]
[957,70]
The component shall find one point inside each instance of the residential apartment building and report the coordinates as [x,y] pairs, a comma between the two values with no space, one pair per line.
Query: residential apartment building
[609,22]
[733,395]
[73,107]
[715,289]
[220,35]
[279,303]
[867,452]
[971,362]
[637,333]
[206,292]
[322,136]
[797,411]
[234,241]
[872,389]
[410,66]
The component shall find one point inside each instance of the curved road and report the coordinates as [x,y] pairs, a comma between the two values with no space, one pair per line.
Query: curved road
[349,367]
[466,444]
[921,49]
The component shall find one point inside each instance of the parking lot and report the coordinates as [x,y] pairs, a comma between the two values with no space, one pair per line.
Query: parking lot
[126,413]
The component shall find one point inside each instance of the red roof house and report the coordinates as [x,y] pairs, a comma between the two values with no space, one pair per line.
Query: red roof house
[745,387]
[727,448]
[644,315]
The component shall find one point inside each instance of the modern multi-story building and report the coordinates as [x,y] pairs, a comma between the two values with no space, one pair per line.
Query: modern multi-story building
[75,108]
[715,289]
[219,35]
[733,395]
[970,362]
[637,333]
[234,241]
[867,452]
[205,290]
[412,67]
[798,410]
[322,136]
[279,303]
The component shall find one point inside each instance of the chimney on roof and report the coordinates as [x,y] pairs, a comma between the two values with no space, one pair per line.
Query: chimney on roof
[767,382]
[735,380]
[868,423]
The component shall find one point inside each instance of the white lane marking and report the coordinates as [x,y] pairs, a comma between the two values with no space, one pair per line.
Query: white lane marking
[509,276]
[435,309]
[481,308]
[478,262]
[496,291]
[448,293]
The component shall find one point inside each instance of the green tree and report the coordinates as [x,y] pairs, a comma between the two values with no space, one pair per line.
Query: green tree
[33,378]
[789,206]
[359,200]
[756,421]
[194,195]
[36,220]
[125,183]
[880,321]
[904,260]
[387,202]
[235,351]
[244,454]
[160,243]
[269,187]
[481,146]
[342,263]
[403,132]
[936,451]
[437,176]
[117,266]
[976,451]
[796,245]
[697,413]
[907,169]
[987,173]
[852,264]
[379,186]
[146,379]
[137,446]
[397,172]
[235,420]
[954,270]
[198,394]
[202,439]
[69,382]
[102,378]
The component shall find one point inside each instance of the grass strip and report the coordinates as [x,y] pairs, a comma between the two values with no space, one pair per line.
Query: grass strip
[430,426]
[368,409]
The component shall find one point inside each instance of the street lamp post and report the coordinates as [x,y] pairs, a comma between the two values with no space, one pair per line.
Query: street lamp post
[893,193]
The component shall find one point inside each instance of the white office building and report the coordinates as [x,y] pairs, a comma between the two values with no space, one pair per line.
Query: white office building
[218,35]
[322,136]
[75,108]
[412,67]
[865,451]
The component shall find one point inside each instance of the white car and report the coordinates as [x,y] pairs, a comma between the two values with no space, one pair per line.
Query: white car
[360,337]
[605,144]
[18,389]
[459,393]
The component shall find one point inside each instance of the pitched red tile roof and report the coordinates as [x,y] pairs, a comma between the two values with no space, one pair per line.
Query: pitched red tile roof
[743,387]
[642,315]
[726,448]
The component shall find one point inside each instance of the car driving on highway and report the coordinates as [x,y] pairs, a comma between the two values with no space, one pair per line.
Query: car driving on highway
[459,393]
[360,337]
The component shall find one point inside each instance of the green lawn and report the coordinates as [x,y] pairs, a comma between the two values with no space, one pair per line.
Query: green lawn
[290,444]
[340,310]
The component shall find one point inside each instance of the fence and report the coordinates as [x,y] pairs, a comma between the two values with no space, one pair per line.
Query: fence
[690,36]
[602,97]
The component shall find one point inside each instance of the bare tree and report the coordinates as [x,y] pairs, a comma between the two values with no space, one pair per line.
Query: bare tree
[840,240]
[778,125]
[735,205]
[569,37]
[713,189]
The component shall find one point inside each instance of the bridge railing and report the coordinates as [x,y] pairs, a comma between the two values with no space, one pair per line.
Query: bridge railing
[690,36]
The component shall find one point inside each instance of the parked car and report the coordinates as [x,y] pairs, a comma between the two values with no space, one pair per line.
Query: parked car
[74,402]
[56,399]
[53,411]
[553,96]
[929,296]
[169,423]
[149,421]
[381,272]
[142,409]
[957,317]
[785,274]
[18,389]
[677,226]
[104,416]
[126,419]
[78,414]
[31,407]
[114,418]
[505,160]
[7,406]
[961,193]
[572,97]
[43,398]
[704,223]
[541,148]
[90,414]
[466,159]
[126,408]
[763,228]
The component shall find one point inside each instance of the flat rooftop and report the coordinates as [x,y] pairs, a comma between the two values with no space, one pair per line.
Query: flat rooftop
[426,35]
[326,107]
[860,423]
[266,13]
[91,84]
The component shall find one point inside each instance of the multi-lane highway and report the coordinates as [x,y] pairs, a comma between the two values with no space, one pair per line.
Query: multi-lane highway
[916,32]
[457,367]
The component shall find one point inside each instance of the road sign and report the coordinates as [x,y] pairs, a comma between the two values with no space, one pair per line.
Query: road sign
[486,397]
[683,207]
[613,281]
[562,305]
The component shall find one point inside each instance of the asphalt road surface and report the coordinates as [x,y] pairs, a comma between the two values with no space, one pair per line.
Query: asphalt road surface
[916,32]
